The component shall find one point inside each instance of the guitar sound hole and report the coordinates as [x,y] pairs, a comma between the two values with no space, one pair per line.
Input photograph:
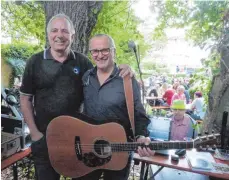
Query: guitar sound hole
[102,148]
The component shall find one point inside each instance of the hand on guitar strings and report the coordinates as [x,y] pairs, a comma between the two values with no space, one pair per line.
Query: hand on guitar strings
[145,151]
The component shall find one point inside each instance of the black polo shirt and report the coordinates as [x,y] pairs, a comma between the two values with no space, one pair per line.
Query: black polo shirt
[56,87]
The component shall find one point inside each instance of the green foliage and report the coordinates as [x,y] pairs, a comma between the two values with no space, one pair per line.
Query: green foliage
[206,21]
[23,20]
[18,67]
[171,14]
[15,56]
[202,19]
[149,65]
[202,79]
[117,19]
[18,50]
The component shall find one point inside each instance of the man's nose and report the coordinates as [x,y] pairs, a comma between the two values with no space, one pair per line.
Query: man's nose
[59,34]
[100,54]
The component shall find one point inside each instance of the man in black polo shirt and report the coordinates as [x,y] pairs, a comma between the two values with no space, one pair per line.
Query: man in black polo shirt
[104,99]
[52,86]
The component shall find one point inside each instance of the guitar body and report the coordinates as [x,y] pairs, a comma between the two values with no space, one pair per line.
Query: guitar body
[77,148]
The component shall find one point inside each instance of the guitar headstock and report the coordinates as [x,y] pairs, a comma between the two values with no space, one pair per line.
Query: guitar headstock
[207,141]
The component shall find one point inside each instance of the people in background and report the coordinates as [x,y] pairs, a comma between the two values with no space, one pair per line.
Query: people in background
[198,106]
[181,124]
[175,85]
[167,96]
[152,92]
[179,94]
[162,89]
[187,96]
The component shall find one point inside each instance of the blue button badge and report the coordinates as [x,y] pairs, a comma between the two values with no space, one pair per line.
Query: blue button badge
[76,70]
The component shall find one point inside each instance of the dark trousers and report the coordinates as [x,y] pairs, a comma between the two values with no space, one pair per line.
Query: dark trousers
[43,167]
[44,170]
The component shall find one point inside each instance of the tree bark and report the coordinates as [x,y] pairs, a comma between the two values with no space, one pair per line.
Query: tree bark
[219,94]
[83,15]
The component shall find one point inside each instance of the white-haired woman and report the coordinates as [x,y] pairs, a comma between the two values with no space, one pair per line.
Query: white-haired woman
[179,94]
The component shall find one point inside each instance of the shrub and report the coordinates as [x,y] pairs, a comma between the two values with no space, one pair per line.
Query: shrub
[18,50]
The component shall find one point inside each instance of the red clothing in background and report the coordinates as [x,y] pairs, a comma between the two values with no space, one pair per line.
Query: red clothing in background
[168,96]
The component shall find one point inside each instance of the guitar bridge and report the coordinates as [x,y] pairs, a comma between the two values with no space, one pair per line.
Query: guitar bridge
[78,148]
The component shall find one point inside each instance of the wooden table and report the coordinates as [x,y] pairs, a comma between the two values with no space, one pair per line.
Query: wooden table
[165,161]
[12,160]
[153,98]
[160,107]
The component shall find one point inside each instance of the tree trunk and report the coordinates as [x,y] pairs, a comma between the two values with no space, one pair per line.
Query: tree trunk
[219,94]
[83,15]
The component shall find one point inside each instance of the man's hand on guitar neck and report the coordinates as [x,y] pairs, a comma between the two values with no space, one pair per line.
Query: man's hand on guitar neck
[145,151]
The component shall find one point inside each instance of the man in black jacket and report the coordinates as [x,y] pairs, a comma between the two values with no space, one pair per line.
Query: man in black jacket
[104,99]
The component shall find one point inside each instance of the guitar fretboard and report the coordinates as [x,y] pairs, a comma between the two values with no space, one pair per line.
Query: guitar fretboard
[157,145]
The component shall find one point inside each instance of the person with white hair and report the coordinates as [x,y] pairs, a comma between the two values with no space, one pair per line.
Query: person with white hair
[179,94]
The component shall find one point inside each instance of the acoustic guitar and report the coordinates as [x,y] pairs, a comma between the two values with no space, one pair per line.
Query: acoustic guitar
[77,148]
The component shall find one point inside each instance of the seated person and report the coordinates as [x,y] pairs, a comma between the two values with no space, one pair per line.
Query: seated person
[162,89]
[187,96]
[181,124]
[153,93]
[197,107]
[179,94]
[167,96]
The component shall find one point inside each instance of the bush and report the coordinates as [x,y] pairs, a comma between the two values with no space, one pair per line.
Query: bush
[15,56]
[18,50]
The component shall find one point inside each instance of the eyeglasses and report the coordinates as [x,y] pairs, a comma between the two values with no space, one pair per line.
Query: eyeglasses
[95,52]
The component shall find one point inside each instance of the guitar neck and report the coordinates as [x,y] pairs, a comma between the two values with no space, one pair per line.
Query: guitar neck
[157,145]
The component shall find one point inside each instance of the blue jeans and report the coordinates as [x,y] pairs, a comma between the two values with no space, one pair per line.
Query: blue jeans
[45,171]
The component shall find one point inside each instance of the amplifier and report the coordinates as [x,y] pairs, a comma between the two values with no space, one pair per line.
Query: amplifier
[10,144]
[17,126]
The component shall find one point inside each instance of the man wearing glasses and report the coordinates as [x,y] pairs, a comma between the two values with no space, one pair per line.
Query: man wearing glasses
[104,99]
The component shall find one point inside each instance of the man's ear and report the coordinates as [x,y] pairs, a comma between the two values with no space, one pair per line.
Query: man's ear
[73,37]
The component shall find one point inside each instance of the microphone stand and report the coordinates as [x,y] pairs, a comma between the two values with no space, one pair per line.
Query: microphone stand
[139,69]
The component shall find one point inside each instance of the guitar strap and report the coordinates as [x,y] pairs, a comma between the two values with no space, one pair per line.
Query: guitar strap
[127,81]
